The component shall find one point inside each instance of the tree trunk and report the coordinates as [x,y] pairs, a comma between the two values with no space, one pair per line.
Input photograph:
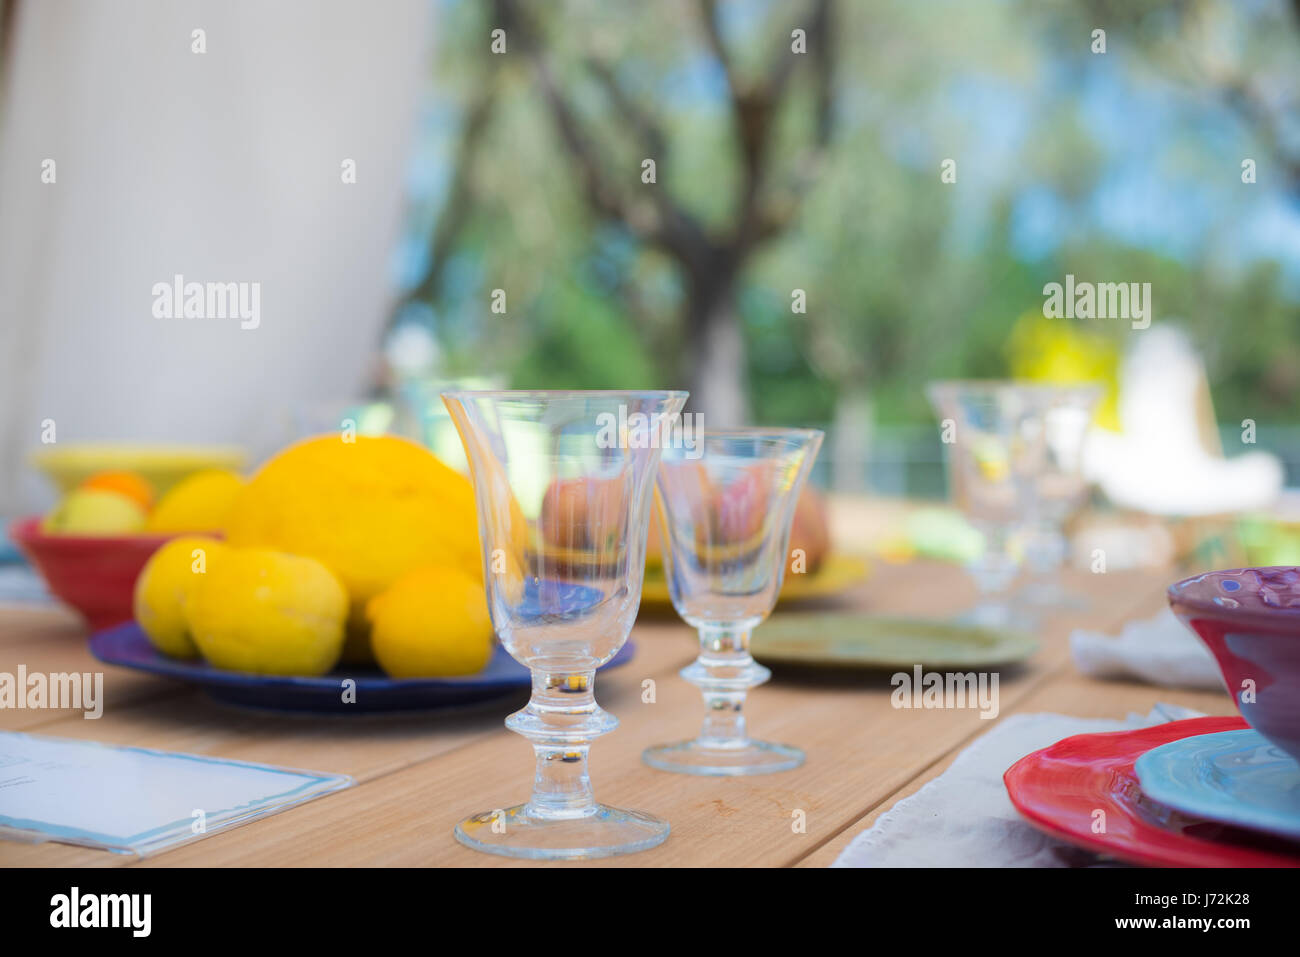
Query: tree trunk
[715,350]
[851,439]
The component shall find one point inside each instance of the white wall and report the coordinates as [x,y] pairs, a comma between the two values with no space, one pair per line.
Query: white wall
[221,166]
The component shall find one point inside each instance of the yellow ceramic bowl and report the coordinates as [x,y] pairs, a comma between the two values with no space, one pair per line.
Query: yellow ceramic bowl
[67,466]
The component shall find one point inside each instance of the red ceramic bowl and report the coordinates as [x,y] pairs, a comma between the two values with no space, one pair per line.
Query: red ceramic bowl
[1249,618]
[95,575]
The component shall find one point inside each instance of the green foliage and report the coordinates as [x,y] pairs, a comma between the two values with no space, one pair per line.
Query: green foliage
[907,278]
[581,340]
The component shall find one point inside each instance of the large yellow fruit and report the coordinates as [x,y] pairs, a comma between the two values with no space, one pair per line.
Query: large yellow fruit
[370,509]
[432,623]
[199,503]
[265,612]
[162,586]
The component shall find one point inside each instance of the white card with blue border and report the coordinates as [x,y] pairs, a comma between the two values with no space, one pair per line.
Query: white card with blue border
[136,800]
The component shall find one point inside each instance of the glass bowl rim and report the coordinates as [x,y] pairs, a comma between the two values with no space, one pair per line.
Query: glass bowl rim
[1268,615]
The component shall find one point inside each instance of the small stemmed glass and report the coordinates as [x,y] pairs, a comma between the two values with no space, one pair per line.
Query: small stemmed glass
[725,508]
[993,431]
[563,483]
[1059,490]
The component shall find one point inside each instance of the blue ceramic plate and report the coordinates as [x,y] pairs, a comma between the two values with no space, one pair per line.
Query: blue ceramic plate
[1234,777]
[126,645]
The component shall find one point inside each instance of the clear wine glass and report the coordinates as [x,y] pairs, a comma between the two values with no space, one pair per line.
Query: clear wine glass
[993,431]
[1058,492]
[725,509]
[563,482]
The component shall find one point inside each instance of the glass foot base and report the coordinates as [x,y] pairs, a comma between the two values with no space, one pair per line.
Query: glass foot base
[1017,617]
[691,757]
[1052,595]
[604,832]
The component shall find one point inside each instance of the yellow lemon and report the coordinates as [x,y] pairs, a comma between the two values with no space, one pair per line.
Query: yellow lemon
[432,623]
[266,612]
[94,512]
[162,586]
[198,503]
[370,508]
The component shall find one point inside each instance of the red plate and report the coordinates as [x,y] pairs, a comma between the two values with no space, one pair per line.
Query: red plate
[1060,789]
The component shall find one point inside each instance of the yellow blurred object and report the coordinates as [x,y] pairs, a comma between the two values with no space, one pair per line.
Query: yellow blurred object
[124,483]
[838,573]
[991,460]
[162,466]
[433,623]
[199,503]
[162,587]
[1061,352]
[94,512]
[265,612]
[370,509]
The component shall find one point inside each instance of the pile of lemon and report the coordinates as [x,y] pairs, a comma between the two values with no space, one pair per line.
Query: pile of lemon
[341,548]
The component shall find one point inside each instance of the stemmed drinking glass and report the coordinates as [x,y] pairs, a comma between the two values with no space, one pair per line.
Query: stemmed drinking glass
[994,434]
[726,507]
[563,482]
[1058,491]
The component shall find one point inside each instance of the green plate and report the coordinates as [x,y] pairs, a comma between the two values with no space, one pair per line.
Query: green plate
[867,641]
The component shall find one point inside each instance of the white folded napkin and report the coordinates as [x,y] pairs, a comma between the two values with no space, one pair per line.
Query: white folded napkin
[1158,650]
[963,818]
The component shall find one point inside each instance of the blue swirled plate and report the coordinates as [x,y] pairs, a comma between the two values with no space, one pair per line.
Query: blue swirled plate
[372,691]
[1234,777]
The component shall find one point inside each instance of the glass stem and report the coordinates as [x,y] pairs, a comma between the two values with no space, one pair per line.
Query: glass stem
[1047,550]
[559,721]
[996,567]
[724,672]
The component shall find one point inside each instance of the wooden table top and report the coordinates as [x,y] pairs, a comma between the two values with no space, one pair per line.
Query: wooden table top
[417,776]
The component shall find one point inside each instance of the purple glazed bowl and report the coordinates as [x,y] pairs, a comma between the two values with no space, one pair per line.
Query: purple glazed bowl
[1249,618]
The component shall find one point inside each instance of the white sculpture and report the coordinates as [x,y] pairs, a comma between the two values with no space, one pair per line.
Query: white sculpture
[1166,460]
